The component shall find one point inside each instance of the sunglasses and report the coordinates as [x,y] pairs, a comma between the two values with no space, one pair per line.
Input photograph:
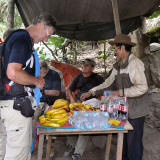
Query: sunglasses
[116,48]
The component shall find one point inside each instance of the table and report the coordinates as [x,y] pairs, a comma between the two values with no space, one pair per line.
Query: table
[52,132]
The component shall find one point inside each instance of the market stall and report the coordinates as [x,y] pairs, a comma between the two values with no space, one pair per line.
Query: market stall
[52,132]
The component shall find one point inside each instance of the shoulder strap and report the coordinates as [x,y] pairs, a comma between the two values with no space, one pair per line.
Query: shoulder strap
[4,44]
[3,48]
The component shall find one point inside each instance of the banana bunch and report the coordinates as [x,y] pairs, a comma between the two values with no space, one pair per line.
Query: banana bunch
[114,122]
[54,118]
[60,103]
[79,106]
[88,107]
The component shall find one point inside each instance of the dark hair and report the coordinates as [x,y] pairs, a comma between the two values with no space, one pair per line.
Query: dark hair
[45,18]
[43,64]
[128,48]
[8,32]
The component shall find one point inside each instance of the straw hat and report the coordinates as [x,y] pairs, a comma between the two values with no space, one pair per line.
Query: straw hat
[122,39]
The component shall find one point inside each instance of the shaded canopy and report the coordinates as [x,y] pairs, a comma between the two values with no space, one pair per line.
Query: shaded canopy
[88,20]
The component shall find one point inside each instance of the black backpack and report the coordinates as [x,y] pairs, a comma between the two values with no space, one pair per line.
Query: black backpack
[4,87]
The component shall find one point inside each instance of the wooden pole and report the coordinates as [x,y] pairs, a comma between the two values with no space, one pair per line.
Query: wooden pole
[10,18]
[116,16]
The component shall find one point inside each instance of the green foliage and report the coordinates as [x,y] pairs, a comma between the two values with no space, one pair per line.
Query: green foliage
[57,41]
[101,55]
[70,53]
[101,41]
[17,20]
[155,14]
[42,57]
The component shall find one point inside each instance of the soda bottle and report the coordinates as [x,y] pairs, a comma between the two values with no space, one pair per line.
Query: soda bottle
[119,108]
[104,101]
[124,109]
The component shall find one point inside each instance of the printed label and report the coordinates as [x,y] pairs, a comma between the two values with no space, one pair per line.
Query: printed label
[124,108]
[103,107]
[119,107]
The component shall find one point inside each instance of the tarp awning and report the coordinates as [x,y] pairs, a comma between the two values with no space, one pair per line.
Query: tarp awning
[89,20]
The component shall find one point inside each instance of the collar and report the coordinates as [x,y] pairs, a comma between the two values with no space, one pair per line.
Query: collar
[122,64]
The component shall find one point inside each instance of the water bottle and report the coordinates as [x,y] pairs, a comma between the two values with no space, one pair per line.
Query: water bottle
[86,120]
[110,107]
[103,125]
[107,93]
[89,124]
[115,106]
[104,101]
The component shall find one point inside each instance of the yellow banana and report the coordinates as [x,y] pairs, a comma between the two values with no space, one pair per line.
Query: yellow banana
[92,108]
[58,112]
[41,117]
[82,108]
[71,110]
[71,106]
[46,120]
[66,106]
[50,124]
[87,106]
[59,115]
[54,120]
[78,104]
[114,122]
[59,103]
[42,120]
[62,120]
[50,111]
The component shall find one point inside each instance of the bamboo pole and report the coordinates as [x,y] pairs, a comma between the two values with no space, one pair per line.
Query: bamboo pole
[116,16]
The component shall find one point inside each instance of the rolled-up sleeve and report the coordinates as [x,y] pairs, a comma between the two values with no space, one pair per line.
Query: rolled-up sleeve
[107,83]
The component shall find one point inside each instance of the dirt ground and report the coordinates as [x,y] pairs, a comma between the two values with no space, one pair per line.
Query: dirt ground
[91,152]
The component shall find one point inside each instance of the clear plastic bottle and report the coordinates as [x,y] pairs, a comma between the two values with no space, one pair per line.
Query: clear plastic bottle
[110,107]
[124,109]
[115,106]
[86,120]
[103,125]
[105,101]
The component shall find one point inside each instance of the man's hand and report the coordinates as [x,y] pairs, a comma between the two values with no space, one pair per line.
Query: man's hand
[72,100]
[40,81]
[115,93]
[85,95]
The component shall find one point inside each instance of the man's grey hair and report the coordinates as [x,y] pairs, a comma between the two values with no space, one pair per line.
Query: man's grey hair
[45,18]
[8,32]
[43,64]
